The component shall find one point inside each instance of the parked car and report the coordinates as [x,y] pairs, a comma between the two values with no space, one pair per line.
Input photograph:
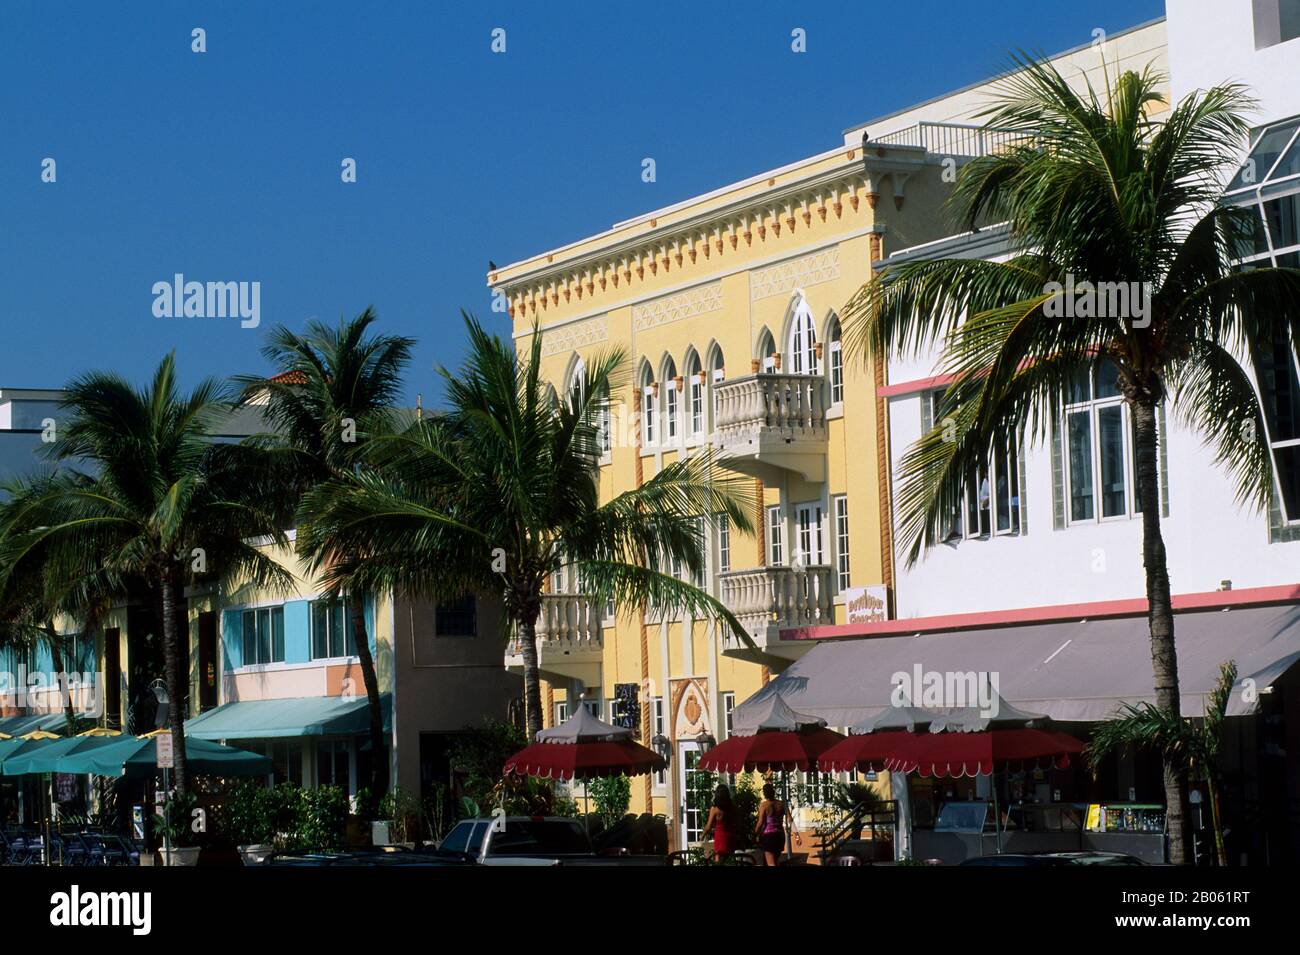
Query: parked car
[534,841]
[1055,858]
[384,856]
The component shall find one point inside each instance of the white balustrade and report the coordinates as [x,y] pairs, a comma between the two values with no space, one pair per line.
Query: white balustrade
[776,598]
[791,405]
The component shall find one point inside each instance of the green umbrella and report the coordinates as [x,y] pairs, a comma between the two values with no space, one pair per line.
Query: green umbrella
[136,756]
[45,757]
[13,748]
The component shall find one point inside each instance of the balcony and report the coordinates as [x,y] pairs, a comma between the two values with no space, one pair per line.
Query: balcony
[768,600]
[570,643]
[959,140]
[771,422]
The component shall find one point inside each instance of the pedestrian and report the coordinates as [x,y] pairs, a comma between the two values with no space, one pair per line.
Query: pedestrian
[722,823]
[773,816]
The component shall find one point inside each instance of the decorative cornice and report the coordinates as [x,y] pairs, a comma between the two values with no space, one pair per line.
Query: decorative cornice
[775,214]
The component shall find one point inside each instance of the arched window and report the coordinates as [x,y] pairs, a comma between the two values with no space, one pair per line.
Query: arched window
[803,341]
[716,374]
[647,406]
[577,394]
[835,361]
[672,405]
[695,394]
[766,352]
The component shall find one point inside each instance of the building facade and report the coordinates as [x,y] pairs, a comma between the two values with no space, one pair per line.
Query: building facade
[728,304]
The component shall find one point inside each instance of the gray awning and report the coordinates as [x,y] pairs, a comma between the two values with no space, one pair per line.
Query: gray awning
[1075,672]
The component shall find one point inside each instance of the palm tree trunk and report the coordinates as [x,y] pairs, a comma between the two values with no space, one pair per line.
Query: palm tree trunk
[378,750]
[1220,851]
[172,598]
[1160,616]
[56,659]
[527,625]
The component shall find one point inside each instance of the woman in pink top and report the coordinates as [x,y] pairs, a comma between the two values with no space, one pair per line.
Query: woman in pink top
[770,826]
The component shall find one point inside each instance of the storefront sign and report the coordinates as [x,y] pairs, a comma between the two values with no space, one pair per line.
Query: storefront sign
[867,604]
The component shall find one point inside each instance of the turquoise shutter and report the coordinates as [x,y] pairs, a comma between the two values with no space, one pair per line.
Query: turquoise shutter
[297,631]
[232,639]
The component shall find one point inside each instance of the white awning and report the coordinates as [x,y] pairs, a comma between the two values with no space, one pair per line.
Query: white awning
[1079,671]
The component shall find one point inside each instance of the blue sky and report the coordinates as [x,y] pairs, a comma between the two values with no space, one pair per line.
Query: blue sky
[225,165]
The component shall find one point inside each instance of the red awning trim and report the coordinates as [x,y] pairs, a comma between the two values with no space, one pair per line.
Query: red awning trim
[1209,600]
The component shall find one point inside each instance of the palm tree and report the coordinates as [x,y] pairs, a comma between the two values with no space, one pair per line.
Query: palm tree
[162,503]
[502,492]
[1190,745]
[334,388]
[1099,190]
[55,582]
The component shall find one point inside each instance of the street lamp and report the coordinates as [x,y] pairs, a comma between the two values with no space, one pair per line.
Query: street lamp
[705,741]
[664,748]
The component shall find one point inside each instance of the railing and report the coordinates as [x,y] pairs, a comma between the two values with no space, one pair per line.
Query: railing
[568,623]
[952,139]
[876,818]
[792,404]
[781,595]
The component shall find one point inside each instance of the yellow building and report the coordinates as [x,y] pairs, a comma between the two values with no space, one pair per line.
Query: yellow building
[727,303]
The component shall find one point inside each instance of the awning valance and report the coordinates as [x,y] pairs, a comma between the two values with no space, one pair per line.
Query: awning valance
[1079,671]
[295,716]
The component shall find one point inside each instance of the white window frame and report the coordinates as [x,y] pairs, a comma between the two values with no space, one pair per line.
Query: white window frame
[1093,407]
[810,532]
[723,524]
[695,401]
[659,721]
[648,415]
[775,536]
[672,409]
[718,377]
[728,713]
[329,625]
[256,613]
[836,368]
[840,509]
[961,526]
[803,341]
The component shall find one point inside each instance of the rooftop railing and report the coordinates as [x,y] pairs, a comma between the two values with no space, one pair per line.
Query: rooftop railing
[952,139]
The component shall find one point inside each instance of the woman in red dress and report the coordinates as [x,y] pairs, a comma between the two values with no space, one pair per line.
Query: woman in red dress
[722,823]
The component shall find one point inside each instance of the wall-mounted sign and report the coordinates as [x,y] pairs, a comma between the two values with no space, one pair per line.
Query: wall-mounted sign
[867,604]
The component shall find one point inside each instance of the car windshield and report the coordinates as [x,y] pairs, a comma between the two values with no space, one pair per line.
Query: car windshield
[459,839]
[542,837]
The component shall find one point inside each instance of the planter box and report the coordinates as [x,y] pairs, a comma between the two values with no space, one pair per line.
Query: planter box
[255,854]
[188,856]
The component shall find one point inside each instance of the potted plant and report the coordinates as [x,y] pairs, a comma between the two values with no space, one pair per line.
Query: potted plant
[399,813]
[249,811]
[172,826]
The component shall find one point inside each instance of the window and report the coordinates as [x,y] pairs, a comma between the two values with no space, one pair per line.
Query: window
[333,763]
[775,537]
[724,543]
[648,393]
[457,618]
[561,712]
[670,401]
[331,629]
[808,522]
[1276,21]
[594,707]
[836,363]
[1101,476]
[841,505]
[263,633]
[695,378]
[718,375]
[988,500]
[661,775]
[803,341]
[80,659]
[728,711]
[1278,375]
[766,353]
